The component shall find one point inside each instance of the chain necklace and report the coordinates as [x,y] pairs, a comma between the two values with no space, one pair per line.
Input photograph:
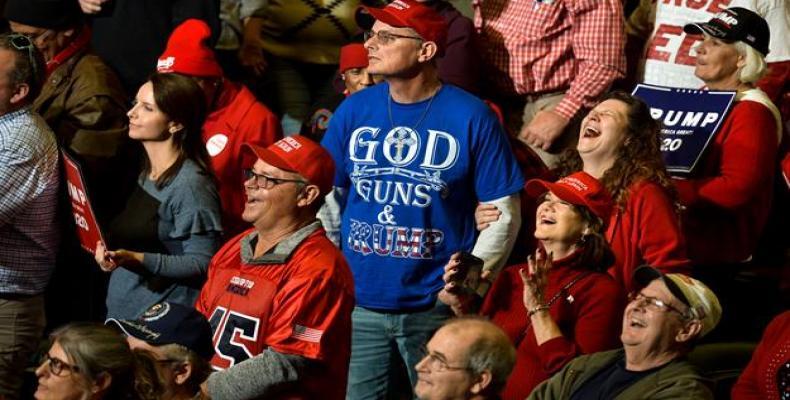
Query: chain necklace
[422,117]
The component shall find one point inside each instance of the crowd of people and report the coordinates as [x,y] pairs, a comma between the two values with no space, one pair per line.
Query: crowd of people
[386,199]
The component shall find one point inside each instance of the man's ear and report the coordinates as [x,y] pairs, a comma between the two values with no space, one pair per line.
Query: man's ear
[308,195]
[689,331]
[183,372]
[482,382]
[20,93]
[428,51]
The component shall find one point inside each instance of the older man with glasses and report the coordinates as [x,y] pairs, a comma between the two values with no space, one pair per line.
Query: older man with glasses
[662,322]
[29,181]
[468,358]
[414,157]
[279,296]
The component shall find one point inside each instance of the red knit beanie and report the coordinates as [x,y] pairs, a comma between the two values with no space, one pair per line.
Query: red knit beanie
[353,55]
[188,53]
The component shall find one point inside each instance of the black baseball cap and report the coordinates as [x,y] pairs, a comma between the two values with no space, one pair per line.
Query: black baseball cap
[170,323]
[735,24]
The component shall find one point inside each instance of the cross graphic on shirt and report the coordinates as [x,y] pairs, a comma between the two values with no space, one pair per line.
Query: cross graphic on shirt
[401,138]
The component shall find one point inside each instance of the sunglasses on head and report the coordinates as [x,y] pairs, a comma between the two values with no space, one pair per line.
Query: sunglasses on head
[23,43]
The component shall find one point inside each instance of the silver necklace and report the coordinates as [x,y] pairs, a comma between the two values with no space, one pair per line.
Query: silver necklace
[422,117]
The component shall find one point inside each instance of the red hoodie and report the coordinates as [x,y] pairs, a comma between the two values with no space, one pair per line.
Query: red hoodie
[238,118]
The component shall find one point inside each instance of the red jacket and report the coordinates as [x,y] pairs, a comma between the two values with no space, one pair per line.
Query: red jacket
[589,315]
[646,231]
[759,379]
[238,118]
[728,199]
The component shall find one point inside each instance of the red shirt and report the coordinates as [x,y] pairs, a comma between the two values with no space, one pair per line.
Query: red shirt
[238,118]
[646,231]
[728,199]
[300,306]
[544,46]
[759,380]
[589,315]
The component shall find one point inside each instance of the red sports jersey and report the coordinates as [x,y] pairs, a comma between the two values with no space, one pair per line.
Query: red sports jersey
[301,306]
[237,119]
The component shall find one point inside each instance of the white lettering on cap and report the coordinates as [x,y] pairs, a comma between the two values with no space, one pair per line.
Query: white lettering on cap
[165,64]
[288,144]
[727,18]
[398,5]
[576,184]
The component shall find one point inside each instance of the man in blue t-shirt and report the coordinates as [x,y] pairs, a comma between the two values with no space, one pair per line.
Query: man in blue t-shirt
[414,157]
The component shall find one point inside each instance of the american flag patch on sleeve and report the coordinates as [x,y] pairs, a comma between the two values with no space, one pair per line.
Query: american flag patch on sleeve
[306,334]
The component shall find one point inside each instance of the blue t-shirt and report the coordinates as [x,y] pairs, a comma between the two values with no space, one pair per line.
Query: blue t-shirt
[415,173]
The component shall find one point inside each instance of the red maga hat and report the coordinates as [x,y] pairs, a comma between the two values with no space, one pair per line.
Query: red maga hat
[579,188]
[353,55]
[412,14]
[301,155]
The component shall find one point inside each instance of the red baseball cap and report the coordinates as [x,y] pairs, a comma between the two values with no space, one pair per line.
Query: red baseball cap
[579,188]
[188,52]
[301,155]
[412,14]
[353,55]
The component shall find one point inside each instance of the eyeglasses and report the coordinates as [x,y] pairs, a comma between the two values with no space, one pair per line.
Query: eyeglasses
[22,42]
[56,365]
[386,38]
[653,303]
[265,181]
[437,363]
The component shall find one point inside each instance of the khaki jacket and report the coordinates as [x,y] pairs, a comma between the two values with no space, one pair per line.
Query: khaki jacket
[84,104]
[676,380]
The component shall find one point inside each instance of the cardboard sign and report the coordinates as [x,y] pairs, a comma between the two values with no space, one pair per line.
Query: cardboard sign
[84,218]
[690,119]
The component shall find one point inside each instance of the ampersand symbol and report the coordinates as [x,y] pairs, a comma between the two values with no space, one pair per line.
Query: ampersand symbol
[386,217]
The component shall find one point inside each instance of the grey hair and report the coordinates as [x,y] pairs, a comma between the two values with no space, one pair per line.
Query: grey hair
[755,66]
[491,350]
[99,349]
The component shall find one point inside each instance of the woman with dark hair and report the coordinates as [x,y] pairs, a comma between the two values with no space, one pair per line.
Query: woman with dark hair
[561,303]
[172,220]
[92,361]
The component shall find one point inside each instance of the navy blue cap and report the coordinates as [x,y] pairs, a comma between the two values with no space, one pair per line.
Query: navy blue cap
[170,323]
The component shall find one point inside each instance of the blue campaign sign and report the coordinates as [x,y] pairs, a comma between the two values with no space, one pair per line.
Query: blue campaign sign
[690,120]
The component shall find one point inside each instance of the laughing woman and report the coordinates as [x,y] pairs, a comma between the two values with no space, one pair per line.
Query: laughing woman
[170,227]
[561,303]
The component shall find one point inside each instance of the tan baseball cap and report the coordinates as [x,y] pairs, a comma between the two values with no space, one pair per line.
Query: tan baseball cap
[702,302]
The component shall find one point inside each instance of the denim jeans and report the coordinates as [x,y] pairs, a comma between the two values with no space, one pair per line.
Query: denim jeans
[374,339]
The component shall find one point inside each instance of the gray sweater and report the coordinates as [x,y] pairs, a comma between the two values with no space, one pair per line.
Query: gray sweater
[188,226]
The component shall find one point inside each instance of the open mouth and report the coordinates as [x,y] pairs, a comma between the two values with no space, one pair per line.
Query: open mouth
[590,132]
[546,220]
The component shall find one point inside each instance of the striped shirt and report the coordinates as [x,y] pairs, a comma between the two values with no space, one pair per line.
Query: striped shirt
[547,46]
[29,180]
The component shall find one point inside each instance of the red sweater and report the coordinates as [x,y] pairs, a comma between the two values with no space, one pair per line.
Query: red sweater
[646,231]
[589,316]
[238,118]
[729,195]
[758,380]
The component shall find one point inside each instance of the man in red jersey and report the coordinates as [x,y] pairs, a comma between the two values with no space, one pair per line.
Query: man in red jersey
[235,116]
[279,296]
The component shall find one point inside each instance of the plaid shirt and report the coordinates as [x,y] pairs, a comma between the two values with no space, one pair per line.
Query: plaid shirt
[29,178]
[544,46]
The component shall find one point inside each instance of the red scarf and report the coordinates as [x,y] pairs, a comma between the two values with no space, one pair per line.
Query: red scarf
[78,44]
